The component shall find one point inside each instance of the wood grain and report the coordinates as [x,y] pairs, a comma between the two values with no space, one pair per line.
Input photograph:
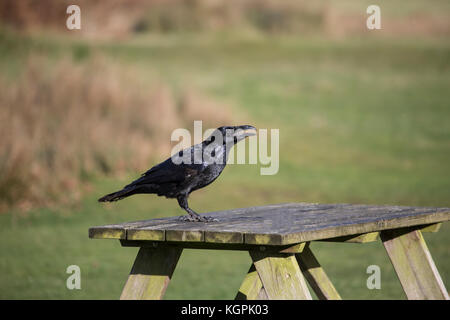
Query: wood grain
[251,286]
[213,246]
[280,276]
[355,238]
[151,273]
[316,276]
[413,264]
[280,224]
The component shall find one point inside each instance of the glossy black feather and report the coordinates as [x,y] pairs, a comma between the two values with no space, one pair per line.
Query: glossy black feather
[174,180]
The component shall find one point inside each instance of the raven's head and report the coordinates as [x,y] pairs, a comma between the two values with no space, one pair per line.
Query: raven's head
[231,134]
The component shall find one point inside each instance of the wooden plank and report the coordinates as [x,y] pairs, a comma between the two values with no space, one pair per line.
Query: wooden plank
[280,276]
[154,230]
[151,273]
[224,237]
[101,232]
[296,248]
[374,236]
[341,220]
[357,238]
[185,235]
[172,229]
[357,227]
[282,224]
[264,239]
[272,227]
[263,294]
[107,232]
[316,276]
[251,286]
[431,227]
[212,246]
[233,224]
[153,235]
[413,264]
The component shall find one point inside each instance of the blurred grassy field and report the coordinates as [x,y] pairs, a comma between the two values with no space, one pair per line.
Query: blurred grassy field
[361,121]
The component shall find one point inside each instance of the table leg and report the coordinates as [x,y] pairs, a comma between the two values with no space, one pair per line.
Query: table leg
[413,264]
[252,287]
[151,273]
[280,276]
[316,276]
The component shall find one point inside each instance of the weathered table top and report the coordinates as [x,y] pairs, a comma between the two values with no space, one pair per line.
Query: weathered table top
[280,224]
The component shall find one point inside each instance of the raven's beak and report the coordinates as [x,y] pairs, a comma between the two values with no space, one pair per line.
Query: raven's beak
[242,132]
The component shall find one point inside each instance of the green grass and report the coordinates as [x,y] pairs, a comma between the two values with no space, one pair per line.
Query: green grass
[360,120]
[38,249]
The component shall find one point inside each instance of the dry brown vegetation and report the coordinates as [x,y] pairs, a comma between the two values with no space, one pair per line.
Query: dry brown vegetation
[122,18]
[60,124]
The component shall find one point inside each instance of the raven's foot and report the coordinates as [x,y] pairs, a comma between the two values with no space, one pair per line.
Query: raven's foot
[209,219]
[197,218]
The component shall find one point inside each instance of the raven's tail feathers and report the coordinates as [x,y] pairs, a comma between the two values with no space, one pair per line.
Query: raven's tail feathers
[118,195]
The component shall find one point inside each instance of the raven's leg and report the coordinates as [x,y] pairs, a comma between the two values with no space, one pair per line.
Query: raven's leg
[183,202]
[193,216]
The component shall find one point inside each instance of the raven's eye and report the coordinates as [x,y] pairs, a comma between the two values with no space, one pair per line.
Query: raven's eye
[180,153]
[213,138]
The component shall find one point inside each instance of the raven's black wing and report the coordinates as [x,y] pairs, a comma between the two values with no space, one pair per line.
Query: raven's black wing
[163,179]
[167,172]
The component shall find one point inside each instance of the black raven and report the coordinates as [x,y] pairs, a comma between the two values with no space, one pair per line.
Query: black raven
[190,169]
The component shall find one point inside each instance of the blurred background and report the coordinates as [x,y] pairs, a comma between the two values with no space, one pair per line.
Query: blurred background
[363,118]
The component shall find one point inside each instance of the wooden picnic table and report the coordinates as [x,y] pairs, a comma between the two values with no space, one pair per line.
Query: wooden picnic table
[277,238]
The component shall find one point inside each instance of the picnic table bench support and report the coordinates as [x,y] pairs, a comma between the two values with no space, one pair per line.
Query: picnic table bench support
[280,275]
[413,264]
[252,287]
[151,273]
[316,276]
